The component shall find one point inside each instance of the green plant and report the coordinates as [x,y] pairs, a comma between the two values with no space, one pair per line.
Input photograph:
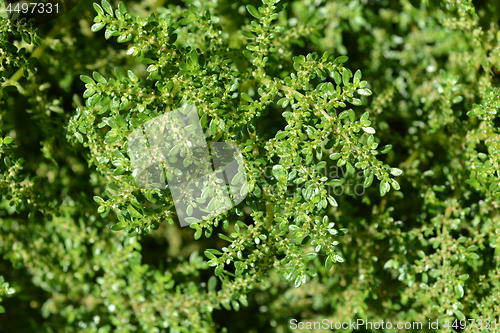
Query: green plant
[231,102]
[86,249]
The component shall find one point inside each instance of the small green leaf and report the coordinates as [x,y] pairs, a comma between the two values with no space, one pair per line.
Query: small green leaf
[253,11]
[368,181]
[345,76]
[79,137]
[132,76]
[396,172]
[147,61]
[357,77]
[209,254]
[86,79]
[191,220]
[107,7]
[328,263]
[341,59]
[365,92]
[311,256]
[133,212]
[99,78]
[213,126]
[193,55]
[281,135]
[459,290]
[97,26]
[246,97]
[298,281]
[119,74]
[122,7]
[94,99]
[133,51]
[189,209]
[212,283]
[332,201]
[335,156]
[335,182]
[344,114]
[474,256]
[386,149]
[118,226]
[198,233]
[185,21]
[279,29]
[247,54]
[221,124]
[384,187]
[356,101]
[279,172]
[248,34]
[219,269]
[337,78]
[352,116]
[459,314]
[98,9]
[365,116]
[224,237]
[311,273]
[369,130]
[350,168]
[234,87]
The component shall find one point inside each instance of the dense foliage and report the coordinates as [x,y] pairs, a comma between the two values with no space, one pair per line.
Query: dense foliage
[371,147]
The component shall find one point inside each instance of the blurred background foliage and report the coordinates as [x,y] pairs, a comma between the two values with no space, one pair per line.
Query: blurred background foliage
[427,251]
